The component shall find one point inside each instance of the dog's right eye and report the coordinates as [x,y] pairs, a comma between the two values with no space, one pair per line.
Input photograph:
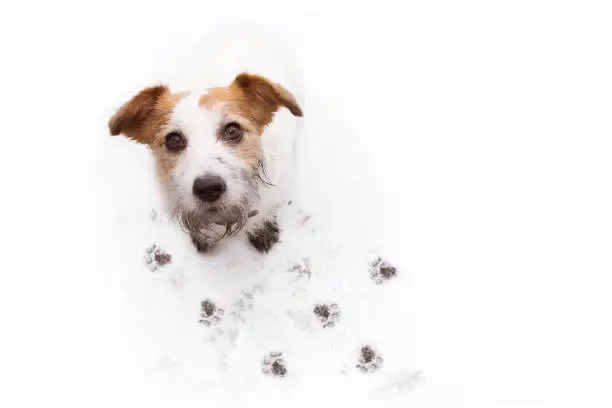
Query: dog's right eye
[175,141]
[232,132]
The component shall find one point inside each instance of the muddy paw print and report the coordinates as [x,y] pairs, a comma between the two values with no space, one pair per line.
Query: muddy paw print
[328,314]
[156,257]
[210,314]
[301,270]
[381,271]
[273,364]
[369,360]
[241,307]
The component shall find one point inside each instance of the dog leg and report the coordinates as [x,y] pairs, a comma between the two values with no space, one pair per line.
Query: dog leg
[264,235]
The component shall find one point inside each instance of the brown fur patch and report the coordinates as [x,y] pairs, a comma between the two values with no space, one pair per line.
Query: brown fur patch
[165,163]
[266,96]
[143,116]
[255,99]
[249,151]
[252,97]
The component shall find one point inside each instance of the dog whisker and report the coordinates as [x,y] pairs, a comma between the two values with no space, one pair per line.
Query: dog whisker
[261,174]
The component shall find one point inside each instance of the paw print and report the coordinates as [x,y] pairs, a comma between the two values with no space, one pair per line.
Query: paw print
[381,271]
[210,314]
[273,364]
[328,314]
[301,270]
[369,360]
[156,257]
[241,307]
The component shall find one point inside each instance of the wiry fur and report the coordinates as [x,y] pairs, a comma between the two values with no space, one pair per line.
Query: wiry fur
[254,169]
[229,220]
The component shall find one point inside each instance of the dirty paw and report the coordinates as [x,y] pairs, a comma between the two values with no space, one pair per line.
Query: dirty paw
[264,238]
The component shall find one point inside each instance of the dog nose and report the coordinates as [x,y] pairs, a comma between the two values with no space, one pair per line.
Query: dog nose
[209,188]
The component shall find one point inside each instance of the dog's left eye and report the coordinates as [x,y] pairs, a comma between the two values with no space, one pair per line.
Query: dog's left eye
[232,132]
[175,141]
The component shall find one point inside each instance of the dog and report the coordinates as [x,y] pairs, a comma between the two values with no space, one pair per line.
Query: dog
[222,131]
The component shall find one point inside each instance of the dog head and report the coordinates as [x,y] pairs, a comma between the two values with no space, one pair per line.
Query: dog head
[207,146]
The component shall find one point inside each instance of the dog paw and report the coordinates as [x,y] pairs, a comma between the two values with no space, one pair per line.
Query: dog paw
[265,237]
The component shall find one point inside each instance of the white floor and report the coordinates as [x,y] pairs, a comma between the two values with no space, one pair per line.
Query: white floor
[467,144]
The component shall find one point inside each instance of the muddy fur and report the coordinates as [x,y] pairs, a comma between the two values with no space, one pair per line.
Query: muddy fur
[265,237]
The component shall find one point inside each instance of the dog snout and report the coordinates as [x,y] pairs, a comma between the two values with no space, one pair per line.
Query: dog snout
[209,188]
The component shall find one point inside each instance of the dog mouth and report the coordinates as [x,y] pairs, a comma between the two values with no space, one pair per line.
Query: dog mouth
[222,217]
[217,216]
[205,218]
[225,213]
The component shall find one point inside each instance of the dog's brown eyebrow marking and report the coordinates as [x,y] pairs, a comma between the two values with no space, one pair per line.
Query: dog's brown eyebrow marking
[253,97]
[212,96]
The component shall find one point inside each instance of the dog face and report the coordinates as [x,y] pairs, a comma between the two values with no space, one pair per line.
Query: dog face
[207,146]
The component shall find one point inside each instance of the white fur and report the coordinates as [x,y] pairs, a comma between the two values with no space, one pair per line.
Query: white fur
[216,63]
[203,152]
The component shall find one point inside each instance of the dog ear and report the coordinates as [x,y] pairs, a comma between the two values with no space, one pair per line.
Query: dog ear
[135,118]
[267,93]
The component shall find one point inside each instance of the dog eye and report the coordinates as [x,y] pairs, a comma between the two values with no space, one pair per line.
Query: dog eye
[175,141]
[232,132]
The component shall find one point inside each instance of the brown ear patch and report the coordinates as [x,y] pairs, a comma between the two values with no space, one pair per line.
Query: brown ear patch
[267,92]
[264,97]
[142,116]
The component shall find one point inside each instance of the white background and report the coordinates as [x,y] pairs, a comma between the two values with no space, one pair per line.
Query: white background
[467,142]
